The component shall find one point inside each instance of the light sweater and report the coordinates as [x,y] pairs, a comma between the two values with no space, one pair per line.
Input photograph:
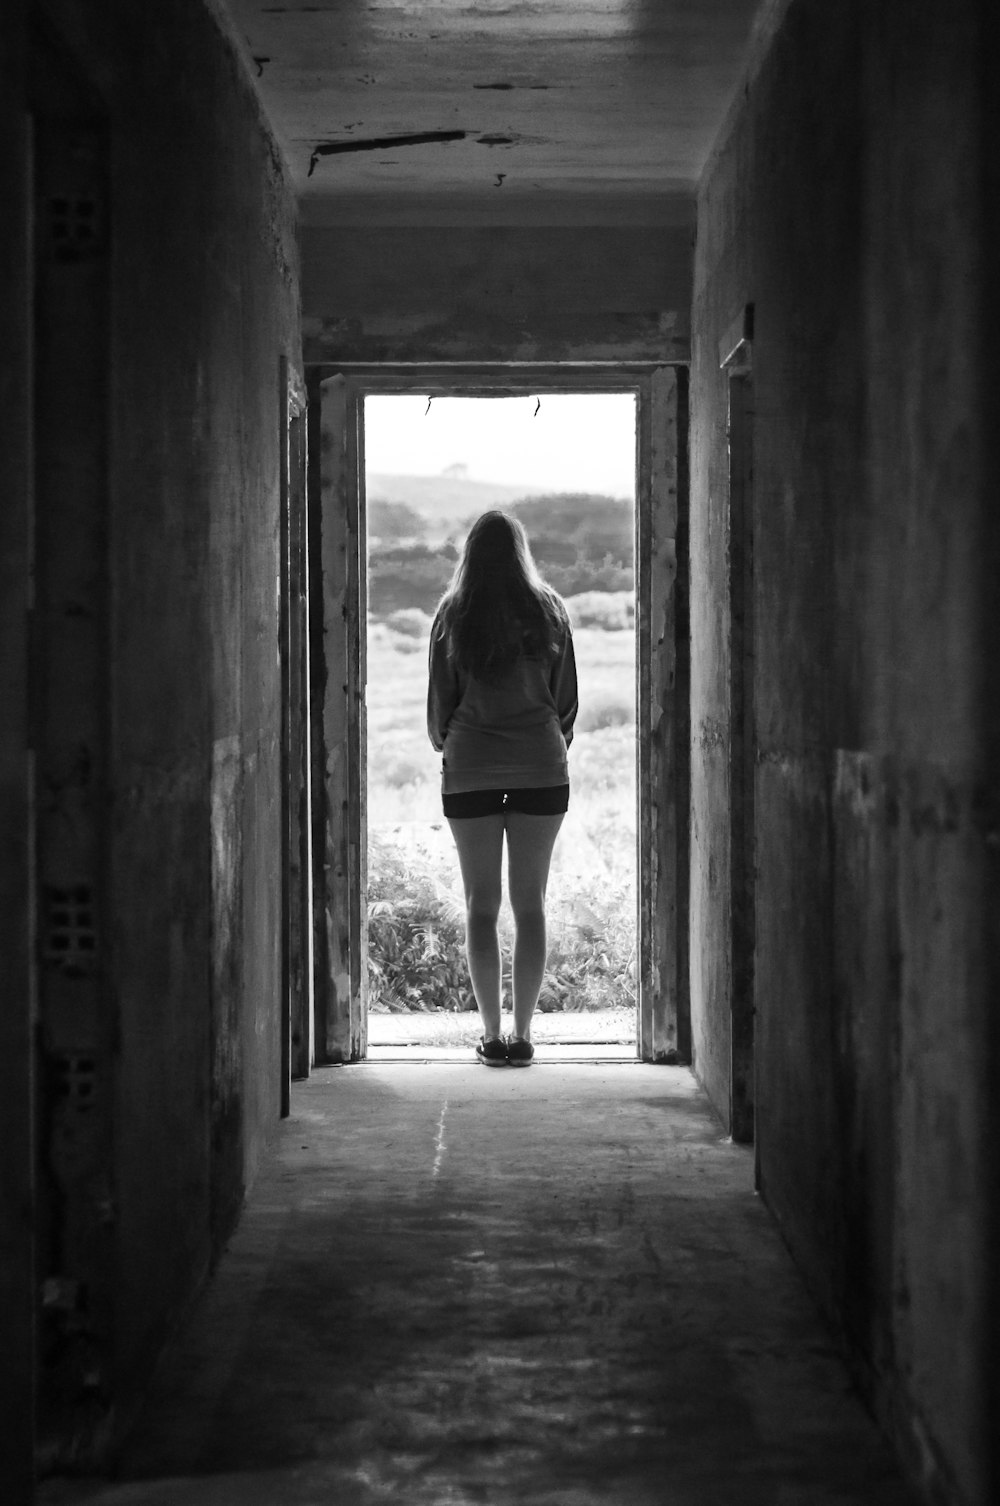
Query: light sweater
[509,735]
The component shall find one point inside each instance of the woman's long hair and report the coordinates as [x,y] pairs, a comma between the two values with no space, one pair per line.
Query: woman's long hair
[497,607]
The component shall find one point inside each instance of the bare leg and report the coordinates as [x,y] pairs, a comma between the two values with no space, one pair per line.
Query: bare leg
[530,840]
[479,841]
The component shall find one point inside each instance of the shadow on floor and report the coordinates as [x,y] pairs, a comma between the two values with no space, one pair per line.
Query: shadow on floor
[456,1286]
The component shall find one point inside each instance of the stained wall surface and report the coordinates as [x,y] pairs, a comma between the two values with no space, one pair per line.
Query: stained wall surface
[204,304]
[472,293]
[16,1168]
[844,201]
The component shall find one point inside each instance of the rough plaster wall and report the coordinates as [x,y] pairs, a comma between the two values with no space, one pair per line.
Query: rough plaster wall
[710,960]
[487,287]
[843,202]
[205,304]
[793,265]
[16,1211]
[988,574]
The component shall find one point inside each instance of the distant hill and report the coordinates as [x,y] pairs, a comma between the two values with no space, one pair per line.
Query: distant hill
[569,527]
[444,501]
[582,542]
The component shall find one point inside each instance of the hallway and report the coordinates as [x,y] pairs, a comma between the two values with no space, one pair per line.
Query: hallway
[226,223]
[456,1286]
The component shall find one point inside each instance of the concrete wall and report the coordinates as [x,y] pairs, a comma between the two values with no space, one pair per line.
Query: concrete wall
[204,304]
[196,697]
[16,1163]
[501,292]
[844,201]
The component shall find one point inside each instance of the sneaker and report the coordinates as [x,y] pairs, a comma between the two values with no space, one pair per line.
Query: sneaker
[519,1052]
[492,1053]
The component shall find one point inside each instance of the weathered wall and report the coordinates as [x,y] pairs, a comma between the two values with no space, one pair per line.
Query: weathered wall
[844,201]
[204,304]
[196,696]
[16,1163]
[501,292]
[585,292]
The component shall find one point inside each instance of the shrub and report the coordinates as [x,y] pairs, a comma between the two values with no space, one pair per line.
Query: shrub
[577,526]
[610,708]
[416,936]
[410,621]
[611,611]
[601,763]
[404,645]
[404,577]
[581,542]
[584,575]
[591,961]
[391,522]
[402,768]
[416,933]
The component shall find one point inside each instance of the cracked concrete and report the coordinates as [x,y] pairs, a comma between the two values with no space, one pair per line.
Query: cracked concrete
[553,1286]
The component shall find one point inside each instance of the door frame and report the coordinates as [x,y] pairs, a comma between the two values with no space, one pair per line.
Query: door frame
[338,612]
[736,361]
[293,654]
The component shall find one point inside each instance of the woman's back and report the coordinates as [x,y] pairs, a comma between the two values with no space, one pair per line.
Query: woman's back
[514,729]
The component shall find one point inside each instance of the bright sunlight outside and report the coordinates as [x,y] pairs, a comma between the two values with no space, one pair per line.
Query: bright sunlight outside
[565,465]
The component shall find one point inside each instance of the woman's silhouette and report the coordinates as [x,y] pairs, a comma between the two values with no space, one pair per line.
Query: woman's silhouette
[501,703]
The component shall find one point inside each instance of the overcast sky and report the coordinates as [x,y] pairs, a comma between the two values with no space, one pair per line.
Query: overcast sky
[574,443]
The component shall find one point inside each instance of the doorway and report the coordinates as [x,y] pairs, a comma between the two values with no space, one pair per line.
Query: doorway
[564,464]
[342,691]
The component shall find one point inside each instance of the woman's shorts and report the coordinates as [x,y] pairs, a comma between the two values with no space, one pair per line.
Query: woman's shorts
[553,801]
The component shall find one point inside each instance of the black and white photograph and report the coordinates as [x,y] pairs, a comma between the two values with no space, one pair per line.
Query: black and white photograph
[499,753]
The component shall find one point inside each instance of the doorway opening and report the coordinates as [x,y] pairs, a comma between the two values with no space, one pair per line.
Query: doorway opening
[338,614]
[565,465]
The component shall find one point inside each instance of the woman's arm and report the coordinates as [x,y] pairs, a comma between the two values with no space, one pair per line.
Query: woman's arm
[563,685]
[442,687]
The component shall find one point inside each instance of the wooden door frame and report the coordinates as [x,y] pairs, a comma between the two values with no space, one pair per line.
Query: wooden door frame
[293,652]
[337,534]
[736,360]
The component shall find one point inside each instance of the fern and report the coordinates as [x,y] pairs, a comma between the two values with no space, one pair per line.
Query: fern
[416,935]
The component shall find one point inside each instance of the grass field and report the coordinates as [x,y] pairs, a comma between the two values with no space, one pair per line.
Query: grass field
[592,887]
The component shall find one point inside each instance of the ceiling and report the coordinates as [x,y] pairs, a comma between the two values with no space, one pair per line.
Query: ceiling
[413,109]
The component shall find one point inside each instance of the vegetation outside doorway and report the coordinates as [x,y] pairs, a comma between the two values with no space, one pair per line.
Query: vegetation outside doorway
[432,466]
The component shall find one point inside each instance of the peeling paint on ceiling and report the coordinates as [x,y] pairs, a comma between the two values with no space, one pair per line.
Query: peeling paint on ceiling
[607,100]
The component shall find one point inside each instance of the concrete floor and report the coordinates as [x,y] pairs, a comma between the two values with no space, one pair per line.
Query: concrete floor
[604,1035]
[612,1027]
[455,1286]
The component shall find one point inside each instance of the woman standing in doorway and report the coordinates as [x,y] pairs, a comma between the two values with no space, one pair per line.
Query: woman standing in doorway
[501,703]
